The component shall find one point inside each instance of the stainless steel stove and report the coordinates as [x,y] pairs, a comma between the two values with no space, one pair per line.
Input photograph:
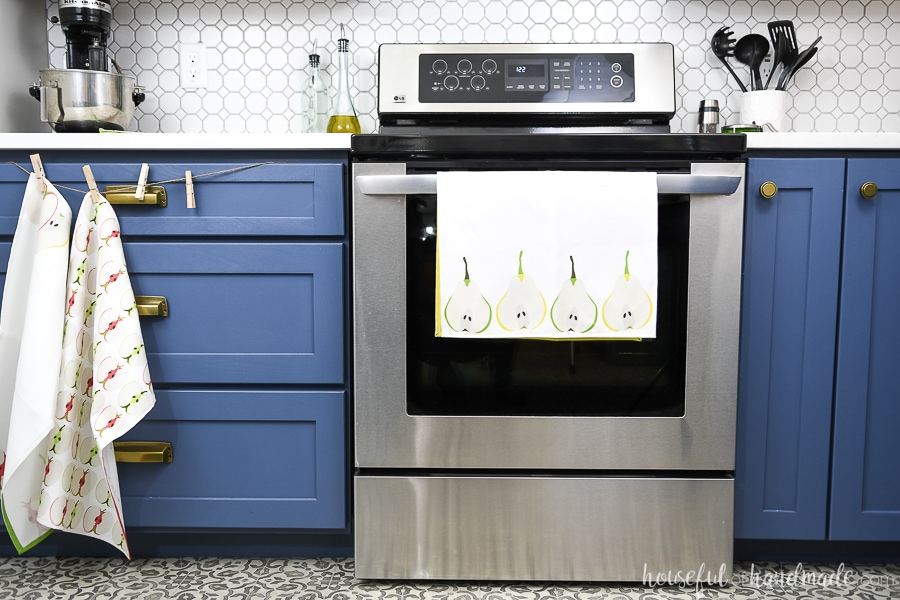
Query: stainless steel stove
[531,459]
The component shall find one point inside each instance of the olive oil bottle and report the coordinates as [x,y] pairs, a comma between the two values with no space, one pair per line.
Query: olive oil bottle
[343,117]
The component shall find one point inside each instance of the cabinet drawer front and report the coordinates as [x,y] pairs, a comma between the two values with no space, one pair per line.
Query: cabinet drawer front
[248,459]
[271,199]
[242,312]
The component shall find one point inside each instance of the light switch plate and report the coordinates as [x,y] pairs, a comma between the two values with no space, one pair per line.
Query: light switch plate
[192,66]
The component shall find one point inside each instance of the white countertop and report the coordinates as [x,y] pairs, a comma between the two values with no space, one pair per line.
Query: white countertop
[341,141]
[823,141]
[174,141]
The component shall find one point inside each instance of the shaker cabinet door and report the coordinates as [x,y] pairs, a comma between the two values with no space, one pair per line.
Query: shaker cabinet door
[865,499]
[788,328]
[269,313]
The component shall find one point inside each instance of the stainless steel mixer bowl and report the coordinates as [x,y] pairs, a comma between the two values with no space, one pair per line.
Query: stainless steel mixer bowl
[74,100]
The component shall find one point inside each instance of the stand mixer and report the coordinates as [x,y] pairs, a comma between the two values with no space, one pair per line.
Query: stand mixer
[85,96]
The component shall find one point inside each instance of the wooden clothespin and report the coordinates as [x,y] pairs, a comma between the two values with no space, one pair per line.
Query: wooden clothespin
[37,167]
[92,184]
[189,188]
[142,182]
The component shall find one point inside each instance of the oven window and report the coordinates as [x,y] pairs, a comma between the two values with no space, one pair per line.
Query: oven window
[481,377]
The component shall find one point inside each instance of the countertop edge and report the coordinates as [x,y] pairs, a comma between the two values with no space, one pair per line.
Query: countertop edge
[174,141]
[823,141]
[341,141]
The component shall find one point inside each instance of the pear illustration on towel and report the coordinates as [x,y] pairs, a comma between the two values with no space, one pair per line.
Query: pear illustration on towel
[629,305]
[522,306]
[574,309]
[467,310]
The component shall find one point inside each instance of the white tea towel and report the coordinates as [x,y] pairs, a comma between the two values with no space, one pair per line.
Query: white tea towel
[104,383]
[31,324]
[547,255]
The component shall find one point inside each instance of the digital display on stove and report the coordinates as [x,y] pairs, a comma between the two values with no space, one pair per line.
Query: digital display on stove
[524,78]
[525,70]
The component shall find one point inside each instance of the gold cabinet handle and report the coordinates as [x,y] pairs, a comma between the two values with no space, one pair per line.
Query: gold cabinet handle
[768,190]
[152,306]
[154,195]
[868,190]
[143,452]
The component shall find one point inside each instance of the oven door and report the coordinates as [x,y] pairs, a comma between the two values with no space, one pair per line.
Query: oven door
[434,403]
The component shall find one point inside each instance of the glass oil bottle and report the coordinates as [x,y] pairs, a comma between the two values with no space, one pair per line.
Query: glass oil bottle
[314,102]
[343,117]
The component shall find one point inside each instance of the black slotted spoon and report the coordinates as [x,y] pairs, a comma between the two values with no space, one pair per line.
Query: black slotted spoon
[723,46]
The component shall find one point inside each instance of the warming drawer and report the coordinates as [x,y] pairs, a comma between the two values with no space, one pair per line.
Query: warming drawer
[541,528]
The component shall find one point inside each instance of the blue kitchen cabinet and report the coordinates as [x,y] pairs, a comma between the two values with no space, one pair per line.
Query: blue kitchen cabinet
[788,332]
[865,489]
[269,199]
[248,458]
[817,412]
[249,364]
[242,312]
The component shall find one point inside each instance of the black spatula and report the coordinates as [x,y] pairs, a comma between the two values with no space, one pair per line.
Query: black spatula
[788,49]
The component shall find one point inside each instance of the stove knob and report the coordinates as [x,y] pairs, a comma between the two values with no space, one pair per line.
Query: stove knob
[478,82]
[439,66]
[464,66]
[451,82]
[489,66]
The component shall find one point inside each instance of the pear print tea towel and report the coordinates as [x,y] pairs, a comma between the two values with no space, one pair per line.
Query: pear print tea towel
[31,325]
[104,383]
[547,255]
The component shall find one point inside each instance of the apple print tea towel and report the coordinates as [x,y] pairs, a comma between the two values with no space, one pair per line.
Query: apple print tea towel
[104,383]
[31,325]
[546,255]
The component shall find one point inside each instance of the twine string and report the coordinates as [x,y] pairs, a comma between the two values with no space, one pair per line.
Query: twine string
[177,180]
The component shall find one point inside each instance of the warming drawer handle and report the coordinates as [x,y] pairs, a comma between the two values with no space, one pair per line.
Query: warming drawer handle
[667,183]
[143,452]
[152,306]
[154,195]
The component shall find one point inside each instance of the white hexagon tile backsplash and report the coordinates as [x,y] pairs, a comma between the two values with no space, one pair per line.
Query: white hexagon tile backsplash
[257,52]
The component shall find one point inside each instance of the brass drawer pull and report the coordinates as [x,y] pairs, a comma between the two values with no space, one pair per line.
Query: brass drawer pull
[868,190]
[124,194]
[143,452]
[152,306]
[768,190]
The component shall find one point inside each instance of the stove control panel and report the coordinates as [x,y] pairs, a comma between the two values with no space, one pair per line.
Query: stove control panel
[526,78]
[562,79]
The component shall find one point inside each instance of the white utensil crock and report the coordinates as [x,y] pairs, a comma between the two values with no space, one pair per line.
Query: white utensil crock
[767,108]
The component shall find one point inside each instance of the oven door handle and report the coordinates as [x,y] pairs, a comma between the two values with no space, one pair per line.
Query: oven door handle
[667,183]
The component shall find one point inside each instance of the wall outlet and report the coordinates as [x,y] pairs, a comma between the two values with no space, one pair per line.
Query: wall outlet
[766,67]
[192,65]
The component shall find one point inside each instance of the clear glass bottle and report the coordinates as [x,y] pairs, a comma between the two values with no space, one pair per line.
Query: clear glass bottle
[314,102]
[343,117]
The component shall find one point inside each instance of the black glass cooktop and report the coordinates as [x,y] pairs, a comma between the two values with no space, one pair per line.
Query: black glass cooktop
[640,146]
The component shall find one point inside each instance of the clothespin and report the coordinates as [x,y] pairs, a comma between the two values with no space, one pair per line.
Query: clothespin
[37,167]
[92,184]
[189,188]
[142,182]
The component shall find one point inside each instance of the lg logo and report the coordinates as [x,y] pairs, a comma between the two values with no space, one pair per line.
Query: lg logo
[399,98]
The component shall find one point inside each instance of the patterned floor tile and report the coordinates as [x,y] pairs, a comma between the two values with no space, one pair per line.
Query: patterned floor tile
[26,578]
